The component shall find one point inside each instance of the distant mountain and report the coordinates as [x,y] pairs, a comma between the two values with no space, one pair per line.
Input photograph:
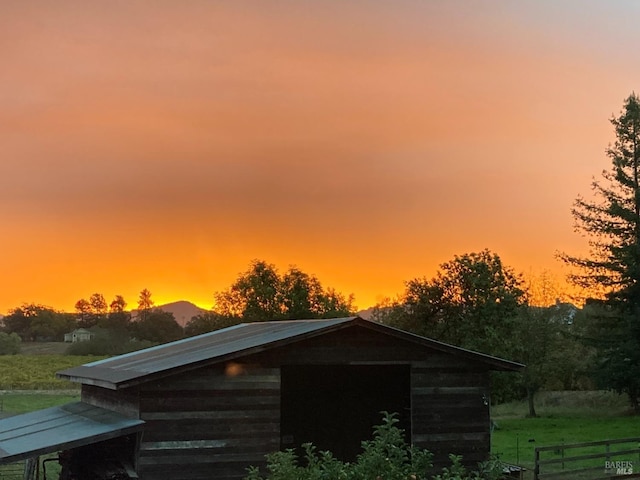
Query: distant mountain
[366,314]
[182,311]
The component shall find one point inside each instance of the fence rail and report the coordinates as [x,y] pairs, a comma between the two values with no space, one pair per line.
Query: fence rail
[589,460]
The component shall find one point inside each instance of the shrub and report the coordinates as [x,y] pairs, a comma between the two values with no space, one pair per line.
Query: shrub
[385,457]
[388,455]
[9,343]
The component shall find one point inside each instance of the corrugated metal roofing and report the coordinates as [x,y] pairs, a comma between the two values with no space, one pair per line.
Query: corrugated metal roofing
[60,428]
[232,342]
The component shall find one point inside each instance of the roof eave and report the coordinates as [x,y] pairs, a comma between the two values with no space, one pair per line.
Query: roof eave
[127,383]
[498,364]
[494,363]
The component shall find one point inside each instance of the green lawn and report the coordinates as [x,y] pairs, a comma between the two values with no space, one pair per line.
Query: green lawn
[565,418]
[12,403]
[570,417]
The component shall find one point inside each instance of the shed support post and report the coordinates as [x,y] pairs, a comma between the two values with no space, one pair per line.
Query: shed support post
[30,468]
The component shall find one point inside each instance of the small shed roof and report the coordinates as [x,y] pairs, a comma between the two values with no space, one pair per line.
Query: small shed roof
[60,428]
[240,340]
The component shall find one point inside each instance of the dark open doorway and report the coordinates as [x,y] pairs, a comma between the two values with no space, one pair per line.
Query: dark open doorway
[336,406]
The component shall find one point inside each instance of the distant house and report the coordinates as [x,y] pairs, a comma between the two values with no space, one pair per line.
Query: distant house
[210,406]
[79,335]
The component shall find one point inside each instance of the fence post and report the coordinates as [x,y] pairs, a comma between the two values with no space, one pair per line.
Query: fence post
[536,468]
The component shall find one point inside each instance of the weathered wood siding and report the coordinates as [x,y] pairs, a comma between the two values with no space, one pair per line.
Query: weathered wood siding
[449,394]
[215,421]
[210,423]
[352,346]
[125,401]
[450,409]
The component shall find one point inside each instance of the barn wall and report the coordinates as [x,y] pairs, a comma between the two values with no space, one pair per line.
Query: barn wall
[125,402]
[450,409]
[215,421]
[449,394]
[210,423]
[352,346]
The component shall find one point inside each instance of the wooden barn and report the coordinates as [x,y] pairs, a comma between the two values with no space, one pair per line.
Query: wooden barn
[212,405]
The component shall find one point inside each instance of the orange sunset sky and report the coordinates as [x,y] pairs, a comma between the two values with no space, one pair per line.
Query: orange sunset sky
[165,144]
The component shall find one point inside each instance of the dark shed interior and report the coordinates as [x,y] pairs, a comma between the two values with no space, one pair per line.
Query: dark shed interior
[335,407]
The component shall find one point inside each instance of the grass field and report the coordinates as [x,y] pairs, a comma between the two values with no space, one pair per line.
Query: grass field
[37,372]
[12,403]
[564,418]
[44,348]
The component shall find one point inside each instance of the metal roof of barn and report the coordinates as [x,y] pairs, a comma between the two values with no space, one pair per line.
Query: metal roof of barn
[60,428]
[236,341]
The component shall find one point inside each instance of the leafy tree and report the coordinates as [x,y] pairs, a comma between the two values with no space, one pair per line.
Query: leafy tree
[83,310]
[304,297]
[98,304]
[157,326]
[261,294]
[336,305]
[302,294]
[91,312]
[575,371]
[611,222]
[118,304]
[473,302]
[18,321]
[118,319]
[208,322]
[540,336]
[254,296]
[32,322]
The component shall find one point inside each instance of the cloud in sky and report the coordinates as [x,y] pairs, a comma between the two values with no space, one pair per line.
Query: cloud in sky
[163,145]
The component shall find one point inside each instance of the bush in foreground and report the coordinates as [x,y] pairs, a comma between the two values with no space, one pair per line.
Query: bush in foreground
[386,457]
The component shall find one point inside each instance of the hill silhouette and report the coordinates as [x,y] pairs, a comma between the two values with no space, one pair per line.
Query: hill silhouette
[182,310]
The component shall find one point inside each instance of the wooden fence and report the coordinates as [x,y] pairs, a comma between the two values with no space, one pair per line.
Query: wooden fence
[591,460]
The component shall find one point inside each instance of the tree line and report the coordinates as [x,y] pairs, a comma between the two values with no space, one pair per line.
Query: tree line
[115,329]
[474,301]
[262,293]
[258,294]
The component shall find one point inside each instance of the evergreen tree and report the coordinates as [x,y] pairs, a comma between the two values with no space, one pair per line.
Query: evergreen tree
[145,304]
[611,221]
